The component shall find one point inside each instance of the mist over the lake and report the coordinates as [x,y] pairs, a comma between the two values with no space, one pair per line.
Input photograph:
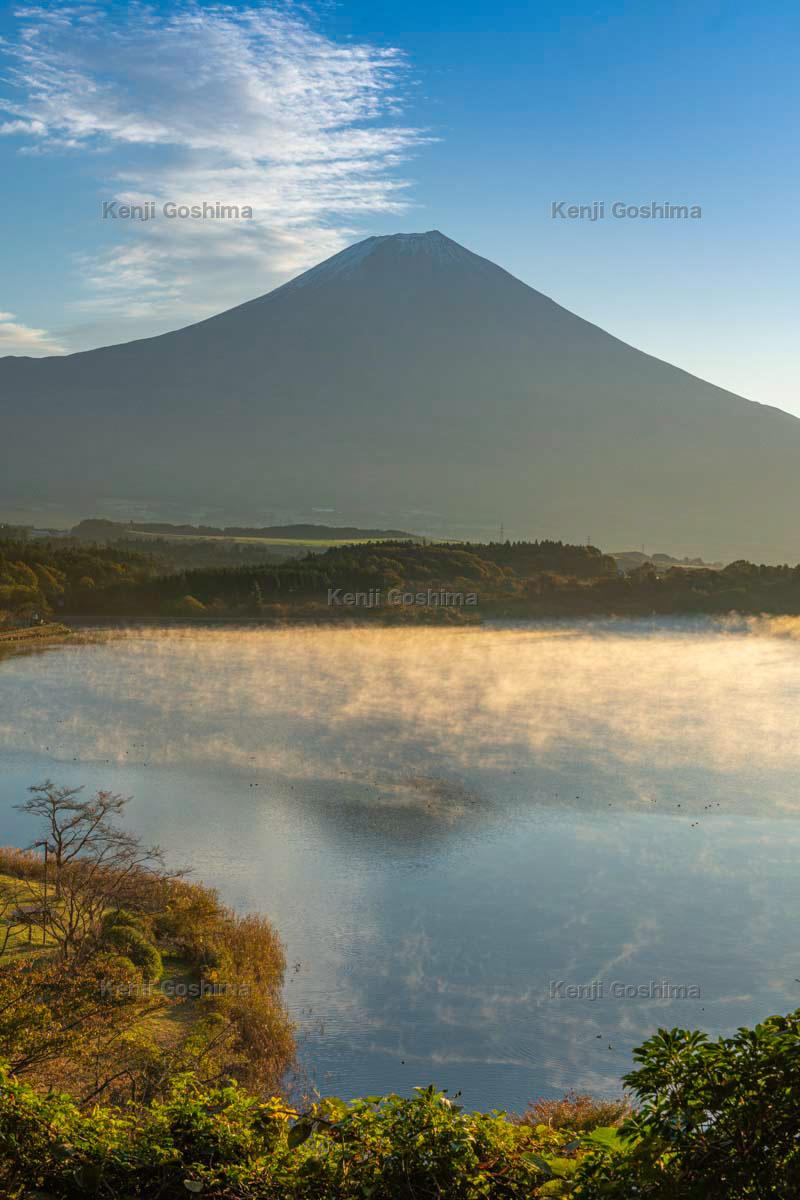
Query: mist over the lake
[384,707]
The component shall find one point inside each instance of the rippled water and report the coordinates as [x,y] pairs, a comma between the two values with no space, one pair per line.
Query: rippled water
[452,828]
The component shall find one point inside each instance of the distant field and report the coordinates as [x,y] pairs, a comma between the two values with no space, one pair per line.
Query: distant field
[301,543]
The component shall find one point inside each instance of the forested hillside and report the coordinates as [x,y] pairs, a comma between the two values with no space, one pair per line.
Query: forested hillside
[383,580]
[50,577]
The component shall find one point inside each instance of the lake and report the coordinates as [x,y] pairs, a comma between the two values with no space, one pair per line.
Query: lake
[498,857]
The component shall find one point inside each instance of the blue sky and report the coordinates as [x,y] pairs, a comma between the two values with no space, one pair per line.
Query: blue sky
[344,120]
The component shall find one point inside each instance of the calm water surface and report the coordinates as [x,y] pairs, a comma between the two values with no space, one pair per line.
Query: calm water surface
[452,828]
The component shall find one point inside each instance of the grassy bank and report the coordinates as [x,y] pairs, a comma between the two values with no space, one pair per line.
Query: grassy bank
[33,633]
[117,973]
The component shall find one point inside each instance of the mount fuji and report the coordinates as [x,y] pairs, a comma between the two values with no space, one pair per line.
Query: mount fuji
[407,377]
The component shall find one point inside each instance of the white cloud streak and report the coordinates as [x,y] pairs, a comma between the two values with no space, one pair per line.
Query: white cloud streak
[16,338]
[241,105]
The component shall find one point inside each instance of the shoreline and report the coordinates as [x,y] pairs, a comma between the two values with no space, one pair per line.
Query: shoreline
[76,627]
[428,618]
[34,633]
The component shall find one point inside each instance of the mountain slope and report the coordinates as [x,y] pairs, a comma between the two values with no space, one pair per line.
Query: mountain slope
[407,375]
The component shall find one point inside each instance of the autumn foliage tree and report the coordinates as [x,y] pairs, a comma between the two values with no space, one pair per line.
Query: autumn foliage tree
[83,1005]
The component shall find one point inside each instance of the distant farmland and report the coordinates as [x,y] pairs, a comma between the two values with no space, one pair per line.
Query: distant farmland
[279,542]
[291,538]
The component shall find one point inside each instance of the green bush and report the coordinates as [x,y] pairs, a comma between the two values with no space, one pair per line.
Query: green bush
[223,1142]
[131,943]
[123,916]
[716,1120]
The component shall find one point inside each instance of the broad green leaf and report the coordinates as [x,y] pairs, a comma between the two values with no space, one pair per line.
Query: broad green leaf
[608,1136]
[300,1132]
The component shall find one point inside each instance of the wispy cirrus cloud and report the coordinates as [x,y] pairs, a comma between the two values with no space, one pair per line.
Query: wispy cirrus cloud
[16,338]
[204,102]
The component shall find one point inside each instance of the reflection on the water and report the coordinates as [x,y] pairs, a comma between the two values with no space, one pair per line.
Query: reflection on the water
[445,824]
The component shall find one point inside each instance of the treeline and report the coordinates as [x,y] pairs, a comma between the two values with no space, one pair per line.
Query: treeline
[66,576]
[495,572]
[510,580]
[180,554]
[527,559]
[741,587]
[52,577]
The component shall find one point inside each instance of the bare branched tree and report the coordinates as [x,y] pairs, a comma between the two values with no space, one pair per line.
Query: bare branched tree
[96,865]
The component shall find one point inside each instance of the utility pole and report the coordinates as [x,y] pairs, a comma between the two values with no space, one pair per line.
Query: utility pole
[46,845]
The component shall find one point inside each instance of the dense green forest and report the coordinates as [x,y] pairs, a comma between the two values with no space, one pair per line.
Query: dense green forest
[73,579]
[389,580]
[47,577]
[179,554]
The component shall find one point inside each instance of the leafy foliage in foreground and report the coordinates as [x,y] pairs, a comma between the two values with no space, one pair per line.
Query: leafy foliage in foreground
[225,1143]
[717,1120]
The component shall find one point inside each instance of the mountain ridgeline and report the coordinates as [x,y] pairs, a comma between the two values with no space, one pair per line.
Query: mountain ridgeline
[410,377]
[101,530]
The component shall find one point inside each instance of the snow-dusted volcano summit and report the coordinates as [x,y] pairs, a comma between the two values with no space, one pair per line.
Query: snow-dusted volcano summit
[407,375]
[432,247]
